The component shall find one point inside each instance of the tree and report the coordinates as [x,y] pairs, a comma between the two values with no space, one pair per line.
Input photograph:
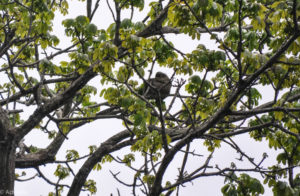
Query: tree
[258,45]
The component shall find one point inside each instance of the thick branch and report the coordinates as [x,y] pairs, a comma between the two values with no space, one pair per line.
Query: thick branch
[4,126]
[47,155]
[55,103]
[41,157]
[106,147]
[156,25]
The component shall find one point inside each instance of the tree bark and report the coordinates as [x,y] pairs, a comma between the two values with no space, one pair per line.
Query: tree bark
[7,155]
[7,167]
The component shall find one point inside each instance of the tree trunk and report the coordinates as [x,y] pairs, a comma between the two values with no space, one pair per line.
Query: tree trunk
[7,167]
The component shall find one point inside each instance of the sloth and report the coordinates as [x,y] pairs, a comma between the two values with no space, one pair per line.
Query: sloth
[160,87]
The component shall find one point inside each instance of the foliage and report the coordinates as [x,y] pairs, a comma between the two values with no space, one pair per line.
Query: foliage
[246,84]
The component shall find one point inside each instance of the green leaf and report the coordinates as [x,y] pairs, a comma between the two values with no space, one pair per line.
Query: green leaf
[62,172]
[82,20]
[138,119]
[91,29]
[68,23]
[196,80]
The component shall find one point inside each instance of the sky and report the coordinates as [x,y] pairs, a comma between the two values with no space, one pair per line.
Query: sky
[97,132]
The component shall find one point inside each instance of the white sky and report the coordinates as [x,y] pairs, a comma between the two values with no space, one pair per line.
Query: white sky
[97,132]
